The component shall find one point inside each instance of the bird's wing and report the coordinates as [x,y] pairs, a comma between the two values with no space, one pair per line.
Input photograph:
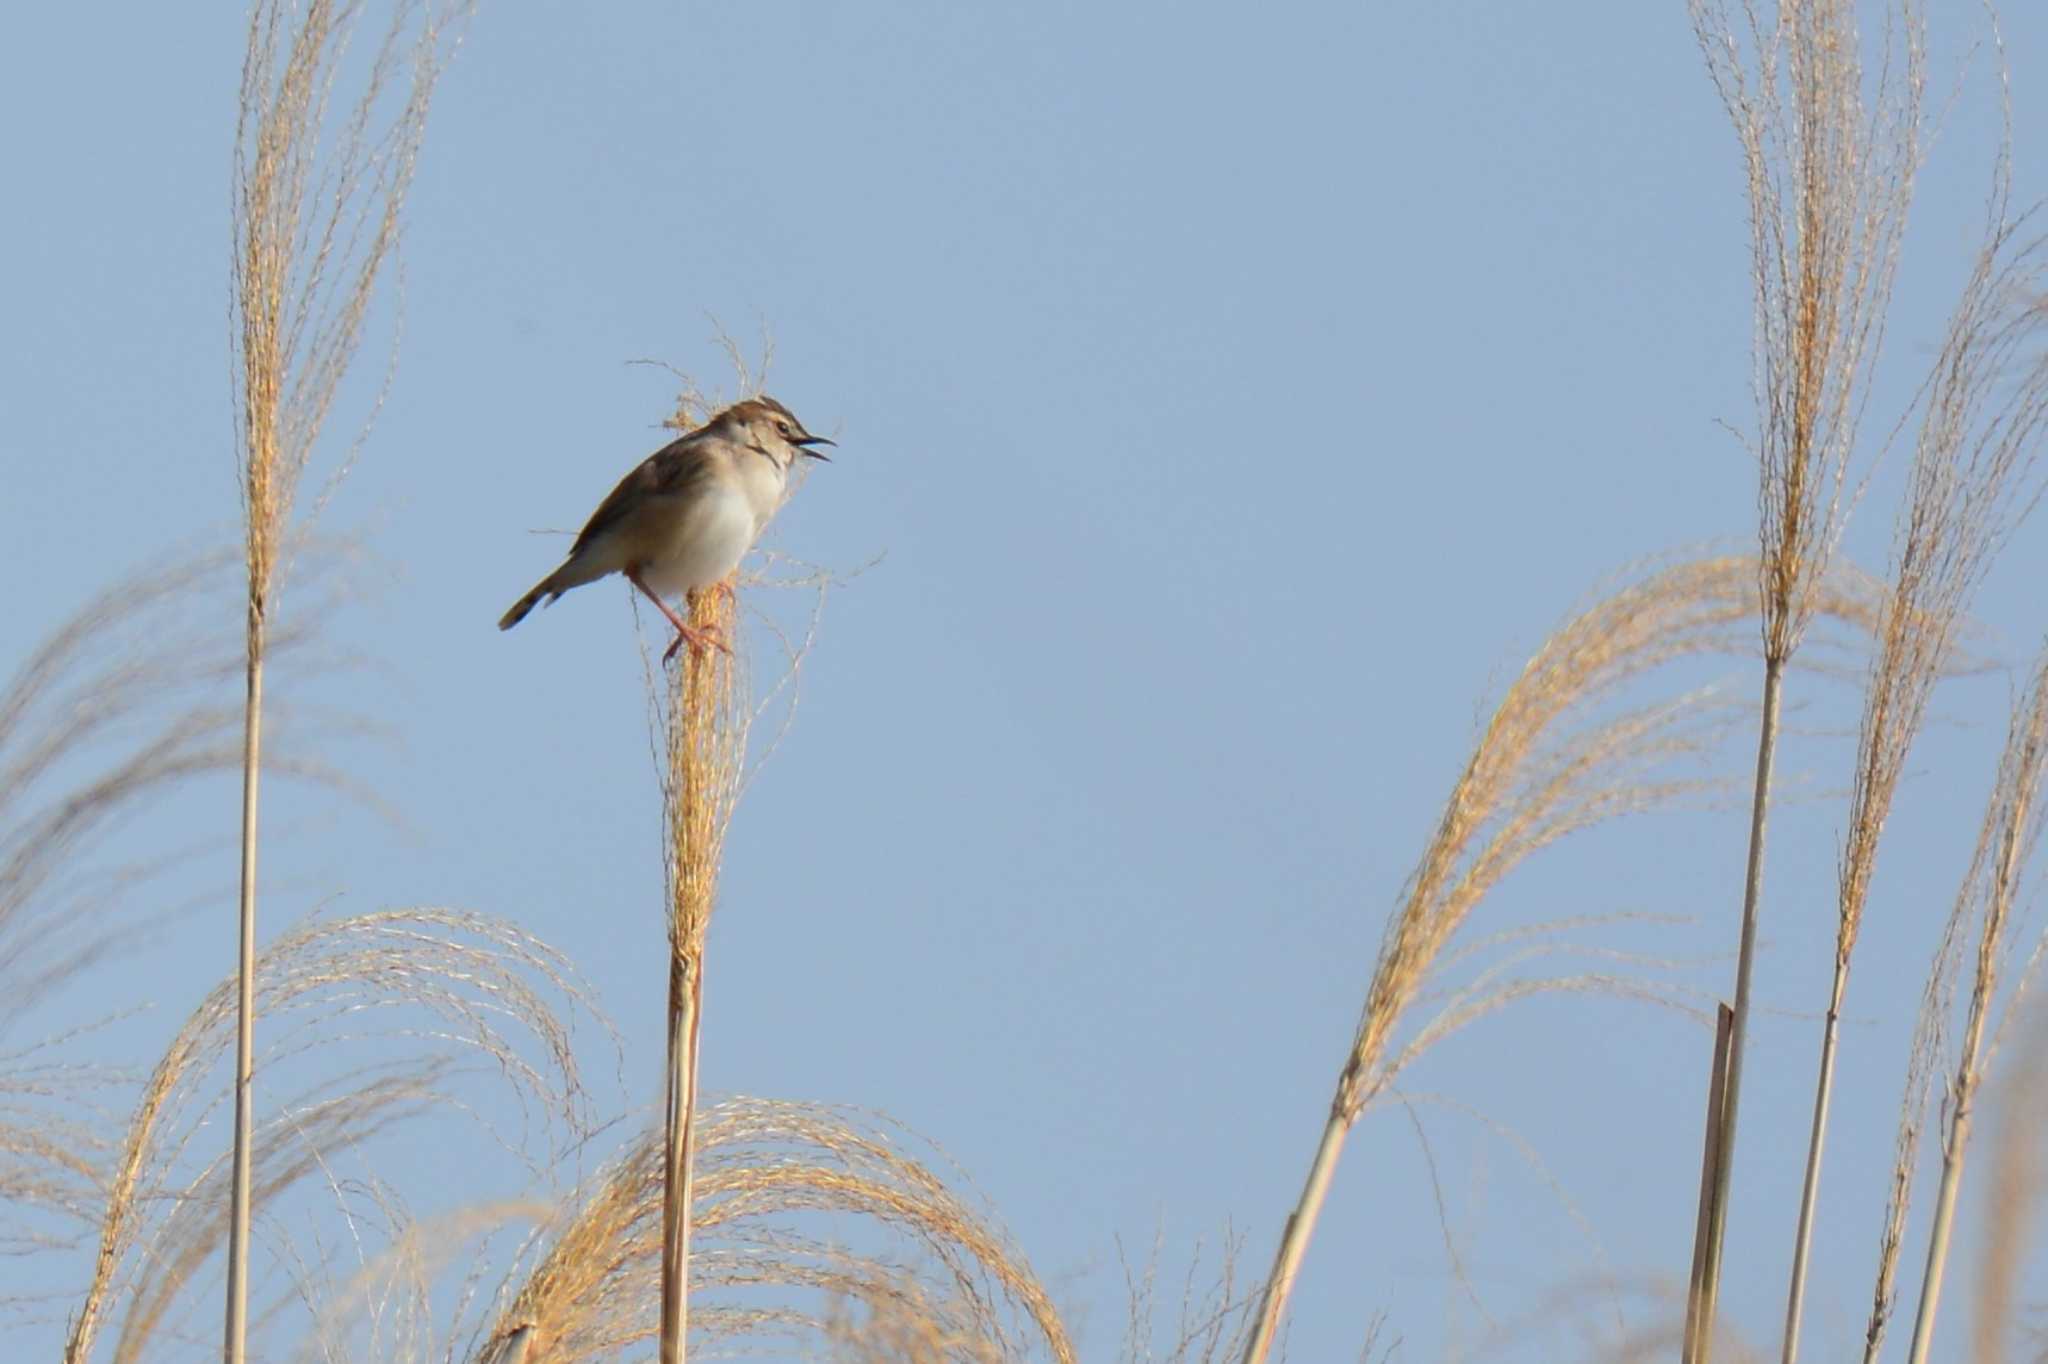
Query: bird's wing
[672,471]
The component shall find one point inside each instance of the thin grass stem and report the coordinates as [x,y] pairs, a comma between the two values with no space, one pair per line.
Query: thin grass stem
[685,981]
[237,1327]
[1752,897]
[2014,803]
[1809,1192]
[706,747]
[1294,1238]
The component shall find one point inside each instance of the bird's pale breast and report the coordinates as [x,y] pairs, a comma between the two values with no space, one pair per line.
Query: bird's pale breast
[704,543]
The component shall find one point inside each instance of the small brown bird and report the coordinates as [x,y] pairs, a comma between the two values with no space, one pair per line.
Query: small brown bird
[688,514]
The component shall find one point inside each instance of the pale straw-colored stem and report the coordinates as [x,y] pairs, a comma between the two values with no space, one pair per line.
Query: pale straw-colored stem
[1294,1239]
[1752,896]
[705,741]
[237,1328]
[1809,1194]
[1945,1206]
[685,994]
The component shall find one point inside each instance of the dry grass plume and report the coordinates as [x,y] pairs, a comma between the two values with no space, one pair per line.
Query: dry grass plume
[784,1192]
[318,191]
[1830,152]
[1552,760]
[489,993]
[1984,411]
[1988,900]
[126,704]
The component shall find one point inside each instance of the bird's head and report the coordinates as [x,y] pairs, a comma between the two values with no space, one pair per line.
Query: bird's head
[773,429]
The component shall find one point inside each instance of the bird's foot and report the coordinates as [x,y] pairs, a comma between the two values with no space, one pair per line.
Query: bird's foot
[700,638]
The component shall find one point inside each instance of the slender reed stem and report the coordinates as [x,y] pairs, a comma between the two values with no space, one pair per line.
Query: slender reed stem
[1294,1238]
[1752,895]
[1809,1194]
[1969,1073]
[1945,1205]
[706,740]
[1710,1167]
[237,1328]
[685,995]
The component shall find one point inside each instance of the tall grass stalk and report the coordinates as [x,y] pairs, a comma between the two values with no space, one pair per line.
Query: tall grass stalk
[1972,481]
[706,743]
[315,216]
[1829,182]
[1544,767]
[2011,831]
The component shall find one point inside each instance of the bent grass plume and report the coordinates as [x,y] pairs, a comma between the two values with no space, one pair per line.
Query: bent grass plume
[124,704]
[316,202]
[490,990]
[123,701]
[1545,766]
[767,1170]
[1829,180]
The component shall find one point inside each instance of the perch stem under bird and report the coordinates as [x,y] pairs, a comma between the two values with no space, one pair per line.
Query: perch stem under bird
[682,521]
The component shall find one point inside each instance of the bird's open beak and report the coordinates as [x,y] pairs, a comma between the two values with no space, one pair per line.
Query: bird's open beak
[808,441]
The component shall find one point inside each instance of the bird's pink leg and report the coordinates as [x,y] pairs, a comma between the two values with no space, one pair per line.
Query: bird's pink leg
[703,639]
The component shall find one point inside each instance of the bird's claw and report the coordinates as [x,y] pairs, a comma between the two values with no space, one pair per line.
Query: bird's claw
[699,637]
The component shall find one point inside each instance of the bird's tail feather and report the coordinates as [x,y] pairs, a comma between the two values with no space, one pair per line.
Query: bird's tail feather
[525,604]
[578,570]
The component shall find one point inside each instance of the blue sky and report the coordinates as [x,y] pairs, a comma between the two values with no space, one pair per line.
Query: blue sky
[1232,403]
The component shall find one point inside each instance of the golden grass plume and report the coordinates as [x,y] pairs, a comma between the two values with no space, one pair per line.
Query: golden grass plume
[1563,750]
[789,1198]
[134,694]
[1973,479]
[318,193]
[469,987]
[1548,764]
[1830,154]
[128,702]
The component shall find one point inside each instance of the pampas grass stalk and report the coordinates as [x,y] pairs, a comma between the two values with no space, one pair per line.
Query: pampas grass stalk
[1542,769]
[2011,831]
[706,740]
[1971,484]
[316,215]
[1829,184]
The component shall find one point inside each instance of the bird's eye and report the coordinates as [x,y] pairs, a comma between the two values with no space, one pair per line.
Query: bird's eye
[783,427]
